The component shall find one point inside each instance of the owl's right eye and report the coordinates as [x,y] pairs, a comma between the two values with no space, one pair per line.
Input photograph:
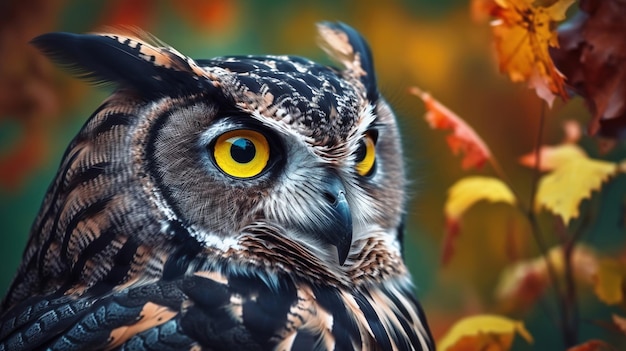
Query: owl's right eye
[241,153]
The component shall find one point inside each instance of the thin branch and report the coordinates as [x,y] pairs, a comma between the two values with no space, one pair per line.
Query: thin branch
[536,228]
[570,307]
[571,318]
[528,208]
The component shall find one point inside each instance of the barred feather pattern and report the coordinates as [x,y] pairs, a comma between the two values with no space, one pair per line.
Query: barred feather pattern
[141,244]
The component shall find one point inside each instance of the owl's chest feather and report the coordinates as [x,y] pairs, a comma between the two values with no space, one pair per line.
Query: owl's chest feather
[243,312]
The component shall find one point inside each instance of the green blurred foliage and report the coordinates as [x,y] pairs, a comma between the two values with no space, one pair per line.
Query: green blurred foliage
[431,44]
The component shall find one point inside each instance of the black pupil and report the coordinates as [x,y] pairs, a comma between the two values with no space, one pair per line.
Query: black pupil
[242,150]
[360,151]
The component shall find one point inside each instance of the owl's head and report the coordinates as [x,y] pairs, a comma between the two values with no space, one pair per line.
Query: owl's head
[270,160]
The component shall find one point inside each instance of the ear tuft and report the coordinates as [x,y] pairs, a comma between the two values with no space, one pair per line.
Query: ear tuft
[123,60]
[345,45]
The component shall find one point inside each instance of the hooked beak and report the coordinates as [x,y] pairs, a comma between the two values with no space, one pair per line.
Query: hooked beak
[338,231]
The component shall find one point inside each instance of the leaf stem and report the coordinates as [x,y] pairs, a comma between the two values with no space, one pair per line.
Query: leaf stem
[536,228]
[571,316]
[569,305]
[566,296]
[528,209]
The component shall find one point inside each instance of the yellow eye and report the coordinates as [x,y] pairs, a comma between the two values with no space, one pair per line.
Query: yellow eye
[366,156]
[241,153]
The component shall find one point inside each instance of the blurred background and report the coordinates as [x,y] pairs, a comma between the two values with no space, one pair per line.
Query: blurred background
[431,44]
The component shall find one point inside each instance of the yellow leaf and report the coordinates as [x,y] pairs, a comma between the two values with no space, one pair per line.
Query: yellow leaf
[562,190]
[463,195]
[483,332]
[608,282]
[469,190]
[553,156]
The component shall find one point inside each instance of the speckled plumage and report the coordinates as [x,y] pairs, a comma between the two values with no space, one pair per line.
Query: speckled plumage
[145,242]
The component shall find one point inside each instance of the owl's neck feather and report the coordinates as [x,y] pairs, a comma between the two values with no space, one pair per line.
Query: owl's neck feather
[262,249]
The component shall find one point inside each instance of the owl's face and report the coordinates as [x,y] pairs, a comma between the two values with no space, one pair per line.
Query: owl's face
[298,148]
[272,161]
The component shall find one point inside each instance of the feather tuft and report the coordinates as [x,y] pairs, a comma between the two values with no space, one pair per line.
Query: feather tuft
[125,60]
[345,45]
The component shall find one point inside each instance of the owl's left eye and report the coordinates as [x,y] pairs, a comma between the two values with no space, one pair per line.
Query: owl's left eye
[366,155]
[241,153]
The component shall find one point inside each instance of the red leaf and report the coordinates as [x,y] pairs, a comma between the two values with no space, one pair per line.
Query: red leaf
[463,139]
[592,345]
[449,240]
[592,56]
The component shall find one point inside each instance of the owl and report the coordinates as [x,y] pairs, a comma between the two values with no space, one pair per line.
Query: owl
[235,203]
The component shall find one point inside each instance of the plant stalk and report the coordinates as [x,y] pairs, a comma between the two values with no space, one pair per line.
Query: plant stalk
[533,193]
[570,307]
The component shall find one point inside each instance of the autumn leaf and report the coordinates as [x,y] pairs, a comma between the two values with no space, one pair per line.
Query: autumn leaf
[522,283]
[592,56]
[604,274]
[523,32]
[483,332]
[593,345]
[463,139]
[608,282]
[573,176]
[469,190]
[562,190]
[481,10]
[553,157]
[464,194]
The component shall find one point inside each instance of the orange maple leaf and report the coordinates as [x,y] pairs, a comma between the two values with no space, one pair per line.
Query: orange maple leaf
[463,138]
[523,30]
